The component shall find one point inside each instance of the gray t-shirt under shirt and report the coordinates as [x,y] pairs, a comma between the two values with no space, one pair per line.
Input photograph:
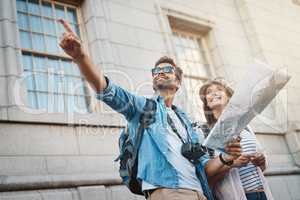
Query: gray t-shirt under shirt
[186,170]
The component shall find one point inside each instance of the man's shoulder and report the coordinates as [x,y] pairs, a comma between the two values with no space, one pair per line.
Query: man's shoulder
[183,115]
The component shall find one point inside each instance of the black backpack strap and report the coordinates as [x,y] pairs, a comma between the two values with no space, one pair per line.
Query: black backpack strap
[146,118]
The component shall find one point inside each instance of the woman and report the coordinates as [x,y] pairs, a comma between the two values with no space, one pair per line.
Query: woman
[242,179]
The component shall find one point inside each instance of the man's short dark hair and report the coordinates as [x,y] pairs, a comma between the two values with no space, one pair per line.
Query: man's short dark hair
[178,70]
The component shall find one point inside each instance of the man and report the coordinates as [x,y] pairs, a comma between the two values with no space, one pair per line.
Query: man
[164,172]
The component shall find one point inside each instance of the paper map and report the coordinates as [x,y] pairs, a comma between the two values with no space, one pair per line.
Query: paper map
[252,95]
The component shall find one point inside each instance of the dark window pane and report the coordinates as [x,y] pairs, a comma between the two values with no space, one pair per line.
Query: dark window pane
[71,103]
[43,100]
[47,9]
[38,42]
[57,84]
[54,65]
[80,104]
[33,7]
[36,24]
[76,70]
[68,68]
[41,81]
[59,12]
[21,5]
[60,106]
[32,100]
[50,102]
[27,62]
[39,63]
[60,50]
[23,21]
[49,26]
[78,86]
[25,40]
[72,17]
[52,44]
[69,85]
[75,29]
[74,85]
[28,80]
[59,28]
[80,90]
[84,102]
[58,103]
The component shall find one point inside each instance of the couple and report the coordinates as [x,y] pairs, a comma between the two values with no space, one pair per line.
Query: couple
[163,171]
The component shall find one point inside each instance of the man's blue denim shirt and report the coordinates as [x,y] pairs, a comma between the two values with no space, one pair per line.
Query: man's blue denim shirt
[153,165]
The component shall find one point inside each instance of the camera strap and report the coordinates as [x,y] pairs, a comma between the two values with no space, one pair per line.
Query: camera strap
[173,127]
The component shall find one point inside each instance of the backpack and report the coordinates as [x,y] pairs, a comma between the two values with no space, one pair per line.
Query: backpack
[129,149]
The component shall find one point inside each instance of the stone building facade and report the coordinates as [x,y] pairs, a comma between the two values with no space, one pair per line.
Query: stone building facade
[58,142]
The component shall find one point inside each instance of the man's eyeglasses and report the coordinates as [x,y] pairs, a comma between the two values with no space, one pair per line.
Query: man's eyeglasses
[167,69]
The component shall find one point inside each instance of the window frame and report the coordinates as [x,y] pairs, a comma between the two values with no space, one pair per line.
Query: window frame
[20,113]
[195,79]
[203,27]
[58,56]
[202,39]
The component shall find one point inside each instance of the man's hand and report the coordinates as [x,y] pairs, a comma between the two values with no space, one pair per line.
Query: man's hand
[233,149]
[70,43]
[72,46]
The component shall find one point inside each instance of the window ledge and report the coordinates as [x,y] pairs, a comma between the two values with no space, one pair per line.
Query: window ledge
[37,182]
[283,171]
[110,119]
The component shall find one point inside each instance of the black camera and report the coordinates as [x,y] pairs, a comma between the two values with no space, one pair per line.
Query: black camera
[192,151]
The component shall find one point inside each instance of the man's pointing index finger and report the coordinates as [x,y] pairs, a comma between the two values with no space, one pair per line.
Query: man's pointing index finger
[66,25]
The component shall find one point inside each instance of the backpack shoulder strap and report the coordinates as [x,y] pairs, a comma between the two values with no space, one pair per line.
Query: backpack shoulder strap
[148,115]
[146,118]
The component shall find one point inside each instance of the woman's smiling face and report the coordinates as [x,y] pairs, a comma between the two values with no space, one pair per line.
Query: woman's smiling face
[216,96]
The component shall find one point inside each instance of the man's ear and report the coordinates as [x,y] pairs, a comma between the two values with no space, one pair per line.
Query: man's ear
[178,84]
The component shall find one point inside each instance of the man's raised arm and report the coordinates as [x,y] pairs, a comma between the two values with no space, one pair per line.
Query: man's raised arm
[71,44]
[113,95]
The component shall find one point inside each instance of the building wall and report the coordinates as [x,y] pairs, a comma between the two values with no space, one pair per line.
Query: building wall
[70,156]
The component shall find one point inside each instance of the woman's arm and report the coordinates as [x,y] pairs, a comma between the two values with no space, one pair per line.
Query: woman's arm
[216,178]
[215,166]
[239,162]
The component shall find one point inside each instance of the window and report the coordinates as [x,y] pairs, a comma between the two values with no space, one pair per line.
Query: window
[52,79]
[193,59]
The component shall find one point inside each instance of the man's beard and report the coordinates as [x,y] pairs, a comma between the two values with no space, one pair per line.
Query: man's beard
[164,85]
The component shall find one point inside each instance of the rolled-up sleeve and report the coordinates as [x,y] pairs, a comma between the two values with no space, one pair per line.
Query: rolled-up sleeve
[204,159]
[121,100]
[108,93]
